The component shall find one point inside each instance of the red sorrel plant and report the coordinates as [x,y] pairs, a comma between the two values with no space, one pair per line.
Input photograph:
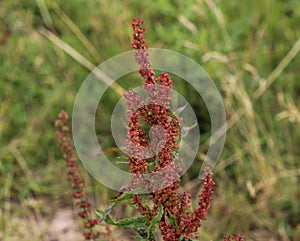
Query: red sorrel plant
[163,211]
[76,180]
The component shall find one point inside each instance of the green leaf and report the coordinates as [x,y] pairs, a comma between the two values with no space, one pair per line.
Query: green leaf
[142,234]
[133,222]
[172,219]
[128,195]
[155,220]
[104,214]
[123,197]
[125,223]
[99,213]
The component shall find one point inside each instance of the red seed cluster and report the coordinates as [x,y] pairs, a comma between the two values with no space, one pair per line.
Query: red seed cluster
[141,56]
[154,112]
[206,195]
[189,221]
[74,175]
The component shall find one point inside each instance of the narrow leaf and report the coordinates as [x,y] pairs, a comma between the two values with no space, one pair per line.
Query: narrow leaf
[172,220]
[156,219]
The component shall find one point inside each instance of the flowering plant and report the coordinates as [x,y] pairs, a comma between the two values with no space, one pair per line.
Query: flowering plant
[163,209]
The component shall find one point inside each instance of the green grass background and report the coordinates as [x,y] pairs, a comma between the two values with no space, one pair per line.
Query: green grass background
[249,48]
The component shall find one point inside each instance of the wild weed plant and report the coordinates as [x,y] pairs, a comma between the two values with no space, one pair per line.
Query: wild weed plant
[164,213]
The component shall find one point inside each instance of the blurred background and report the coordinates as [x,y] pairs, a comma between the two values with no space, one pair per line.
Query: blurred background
[249,48]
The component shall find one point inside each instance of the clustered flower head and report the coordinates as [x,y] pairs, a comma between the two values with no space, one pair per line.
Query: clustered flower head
[178,220]
[75,176]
